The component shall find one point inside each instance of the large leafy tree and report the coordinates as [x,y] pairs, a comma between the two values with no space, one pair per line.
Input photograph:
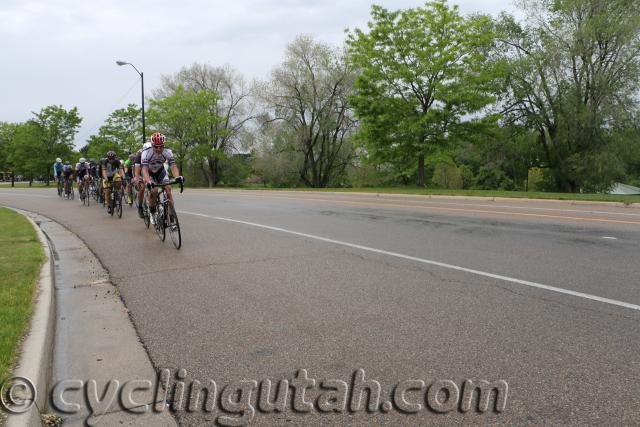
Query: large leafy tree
[226,99]
[574,78]
[7,132]
[189,119]
[307,98]
[25,151]
[58,128]
[424,72]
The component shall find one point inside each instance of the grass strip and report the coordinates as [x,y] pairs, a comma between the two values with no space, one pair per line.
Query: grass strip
[21,256]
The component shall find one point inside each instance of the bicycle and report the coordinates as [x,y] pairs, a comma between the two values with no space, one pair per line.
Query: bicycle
[136,188]
[116,200]
[68,189]
[93,191]
[166,216]
[86,191]
[129,193]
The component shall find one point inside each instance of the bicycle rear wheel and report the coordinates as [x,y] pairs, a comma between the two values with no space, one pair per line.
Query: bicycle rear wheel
[174,227]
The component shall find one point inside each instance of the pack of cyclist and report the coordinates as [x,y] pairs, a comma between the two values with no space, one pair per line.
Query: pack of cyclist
[110,174]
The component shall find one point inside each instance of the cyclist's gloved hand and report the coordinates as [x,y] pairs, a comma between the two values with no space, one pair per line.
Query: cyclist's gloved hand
[180,179]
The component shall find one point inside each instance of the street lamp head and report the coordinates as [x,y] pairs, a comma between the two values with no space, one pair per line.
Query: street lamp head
[121,63]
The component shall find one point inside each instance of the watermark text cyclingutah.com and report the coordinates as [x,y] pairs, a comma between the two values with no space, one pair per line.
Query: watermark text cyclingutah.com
[237,403]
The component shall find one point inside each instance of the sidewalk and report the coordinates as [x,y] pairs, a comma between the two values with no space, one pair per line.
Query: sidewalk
[94,340]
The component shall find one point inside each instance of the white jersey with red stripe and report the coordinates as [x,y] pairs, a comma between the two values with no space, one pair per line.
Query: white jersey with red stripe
[155,161]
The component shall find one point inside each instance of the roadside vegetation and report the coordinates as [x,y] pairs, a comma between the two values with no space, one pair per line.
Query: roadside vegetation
[545,105]
[21,257]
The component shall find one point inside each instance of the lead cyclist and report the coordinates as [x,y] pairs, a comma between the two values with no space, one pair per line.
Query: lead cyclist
[153,168]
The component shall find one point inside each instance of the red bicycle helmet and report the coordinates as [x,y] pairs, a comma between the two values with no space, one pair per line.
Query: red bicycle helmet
[157,139]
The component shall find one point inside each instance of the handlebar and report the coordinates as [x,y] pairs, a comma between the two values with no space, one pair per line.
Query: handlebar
[171,182]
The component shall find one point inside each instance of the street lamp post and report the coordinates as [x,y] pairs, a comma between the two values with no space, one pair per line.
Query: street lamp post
[144,136]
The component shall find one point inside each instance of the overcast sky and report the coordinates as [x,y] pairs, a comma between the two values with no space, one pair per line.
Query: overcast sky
[63,52]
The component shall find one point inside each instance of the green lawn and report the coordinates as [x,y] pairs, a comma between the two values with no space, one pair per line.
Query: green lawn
[25,184]
[21,257]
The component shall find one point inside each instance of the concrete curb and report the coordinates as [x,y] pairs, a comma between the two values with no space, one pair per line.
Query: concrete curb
[36,353]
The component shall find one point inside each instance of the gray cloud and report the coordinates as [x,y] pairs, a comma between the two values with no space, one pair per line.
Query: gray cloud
[64,51]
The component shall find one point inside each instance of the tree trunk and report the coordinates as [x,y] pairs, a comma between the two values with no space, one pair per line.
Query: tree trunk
[213,171]
[48,172]
[205,172]
[421,170]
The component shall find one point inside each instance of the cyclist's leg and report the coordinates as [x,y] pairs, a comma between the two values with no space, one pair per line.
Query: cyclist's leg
[160,177]
[80,186]
[117,181]
[107,191]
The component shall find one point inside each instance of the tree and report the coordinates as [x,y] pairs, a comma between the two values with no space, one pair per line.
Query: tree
[58,128]
[275,160]
[423,71]
[226,99]
[121,132]
[188,117]
[7,132]
[25,151]
[574,73]
[308,96]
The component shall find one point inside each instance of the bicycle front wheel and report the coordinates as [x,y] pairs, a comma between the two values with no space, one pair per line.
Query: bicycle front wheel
[160,225]
[146,214]
[174,228]
[119,204]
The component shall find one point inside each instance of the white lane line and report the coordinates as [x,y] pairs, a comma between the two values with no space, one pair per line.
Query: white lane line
[609,238]
[427,261]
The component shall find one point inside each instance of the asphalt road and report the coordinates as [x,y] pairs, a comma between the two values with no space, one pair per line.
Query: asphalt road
[542,295]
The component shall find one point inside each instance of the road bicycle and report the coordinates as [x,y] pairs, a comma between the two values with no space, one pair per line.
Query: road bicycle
[136,187]
[93,190]
[86,191]
[166,217]
[129,192]
[116,199]
[68,188]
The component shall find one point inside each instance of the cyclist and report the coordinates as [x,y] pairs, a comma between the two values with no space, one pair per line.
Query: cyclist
[100,181]
[153,170]
[93,168]
[67,176]
[112,170]
[128,173]
[137,178]
[82,175]
[57,171]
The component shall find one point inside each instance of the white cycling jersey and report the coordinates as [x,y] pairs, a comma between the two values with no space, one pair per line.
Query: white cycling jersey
[155,161]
